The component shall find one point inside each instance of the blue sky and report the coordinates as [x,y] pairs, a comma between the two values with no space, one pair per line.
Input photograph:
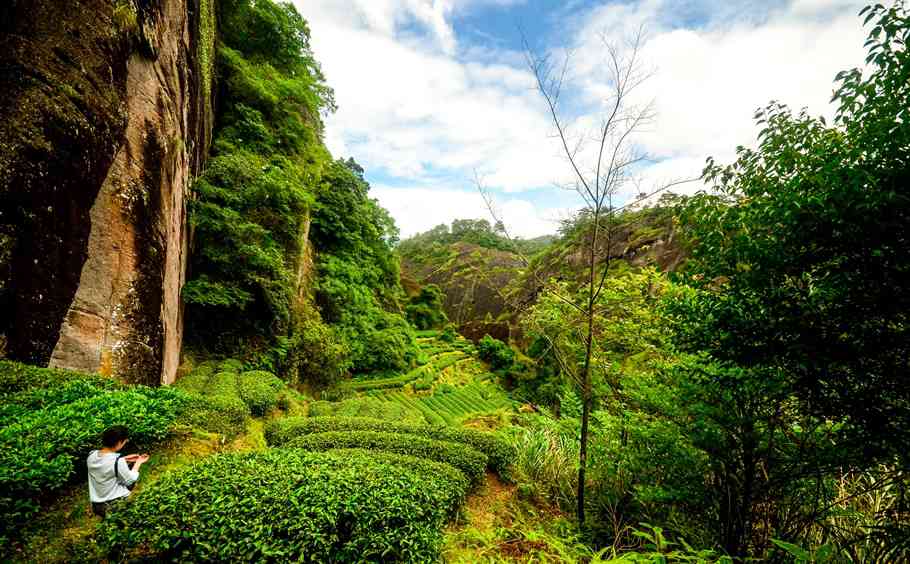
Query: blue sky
[432,92]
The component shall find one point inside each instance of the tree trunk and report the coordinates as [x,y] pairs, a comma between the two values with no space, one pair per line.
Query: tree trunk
[586,372]
[585,414]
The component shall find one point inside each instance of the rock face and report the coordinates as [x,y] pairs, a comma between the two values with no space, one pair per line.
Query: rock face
[474,280]
[111,119]
[487,291]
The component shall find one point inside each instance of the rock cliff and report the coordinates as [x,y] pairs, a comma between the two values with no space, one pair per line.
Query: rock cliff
[106,118]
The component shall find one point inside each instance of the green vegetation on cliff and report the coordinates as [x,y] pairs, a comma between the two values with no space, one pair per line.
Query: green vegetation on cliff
[270,199]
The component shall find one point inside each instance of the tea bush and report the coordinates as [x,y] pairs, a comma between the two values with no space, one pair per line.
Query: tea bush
[230,365]
[16,377]
[463,457]
[219,408]
[388,382]
[498,452]
[366,407]
[197,380]
[290,505]
[40,450]
[259,390]
[21,403]
[450,477]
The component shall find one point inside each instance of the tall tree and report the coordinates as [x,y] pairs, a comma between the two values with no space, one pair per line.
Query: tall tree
[800,270]
[806,238]
[602,162]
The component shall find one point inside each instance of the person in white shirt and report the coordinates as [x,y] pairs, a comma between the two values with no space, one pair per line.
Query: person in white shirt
[109,474]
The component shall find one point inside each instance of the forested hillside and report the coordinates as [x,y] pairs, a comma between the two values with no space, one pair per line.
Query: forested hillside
[489,279]
[719,377]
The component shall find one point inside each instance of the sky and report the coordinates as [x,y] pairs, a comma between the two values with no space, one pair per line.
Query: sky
[432,94]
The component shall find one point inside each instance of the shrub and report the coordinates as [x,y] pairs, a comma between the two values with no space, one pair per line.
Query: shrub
[259,390]
[463,457]
[396,381]
[319,357]
[448,475]
[197,380]
[365,407]
[448,334]
[16,377]
[427,334]
[24,402]
[39,450]
[498,452]
[446,360]
[217,406]
[425,310]
[290,505]
[425,383]
[498,354]
[230,365]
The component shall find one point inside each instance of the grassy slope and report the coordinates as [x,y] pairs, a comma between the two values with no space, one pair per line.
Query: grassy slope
[496,524]
[64,531]
[450,387]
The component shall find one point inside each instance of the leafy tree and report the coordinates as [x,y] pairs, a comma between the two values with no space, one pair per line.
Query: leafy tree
[269,190]
[643,465]
[601,163]
[498,354]
[251,203]
[474,231]
[802,252]
[425,309]
[358,284]
[799,307]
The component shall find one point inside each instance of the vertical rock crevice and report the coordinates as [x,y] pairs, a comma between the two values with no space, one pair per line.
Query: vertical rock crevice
[123,314]
[62,72]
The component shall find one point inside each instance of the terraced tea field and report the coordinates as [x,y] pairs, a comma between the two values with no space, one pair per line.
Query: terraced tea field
[449,384]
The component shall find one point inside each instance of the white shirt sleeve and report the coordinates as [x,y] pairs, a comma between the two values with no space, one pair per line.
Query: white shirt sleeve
[126,475]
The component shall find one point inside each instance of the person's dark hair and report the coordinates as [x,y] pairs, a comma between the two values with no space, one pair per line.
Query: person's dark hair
[114,435]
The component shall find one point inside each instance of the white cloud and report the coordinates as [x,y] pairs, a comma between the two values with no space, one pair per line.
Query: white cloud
[407,108]
[424,108]
[419,209]
[709,81]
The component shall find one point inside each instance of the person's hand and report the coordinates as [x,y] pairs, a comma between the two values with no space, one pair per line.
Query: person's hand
[140,458]
[131,457]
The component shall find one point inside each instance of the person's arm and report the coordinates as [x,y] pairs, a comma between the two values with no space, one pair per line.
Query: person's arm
[128,475]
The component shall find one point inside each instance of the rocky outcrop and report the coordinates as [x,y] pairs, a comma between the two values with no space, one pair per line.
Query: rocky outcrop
[107,120]
[487,290]
[473,279]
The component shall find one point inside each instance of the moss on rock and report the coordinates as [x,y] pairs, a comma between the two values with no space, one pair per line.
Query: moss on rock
[63,74]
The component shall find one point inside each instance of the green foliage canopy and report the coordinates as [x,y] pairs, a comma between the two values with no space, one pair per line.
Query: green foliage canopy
[800,259]
[287,504]
[269,196]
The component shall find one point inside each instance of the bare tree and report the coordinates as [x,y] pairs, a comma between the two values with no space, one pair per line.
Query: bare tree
[602,159]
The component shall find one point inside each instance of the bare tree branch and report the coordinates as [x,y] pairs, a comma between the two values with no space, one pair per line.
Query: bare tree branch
[599,176]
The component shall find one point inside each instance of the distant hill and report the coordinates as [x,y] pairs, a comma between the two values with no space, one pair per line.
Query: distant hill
[488,280]
[646,237]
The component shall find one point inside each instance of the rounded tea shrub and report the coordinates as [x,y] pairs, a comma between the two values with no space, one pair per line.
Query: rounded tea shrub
[463,457]
[498,452]
[289,505]
[41,449]
[259,390]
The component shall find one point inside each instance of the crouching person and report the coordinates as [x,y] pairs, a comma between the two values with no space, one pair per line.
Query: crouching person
[110,476]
